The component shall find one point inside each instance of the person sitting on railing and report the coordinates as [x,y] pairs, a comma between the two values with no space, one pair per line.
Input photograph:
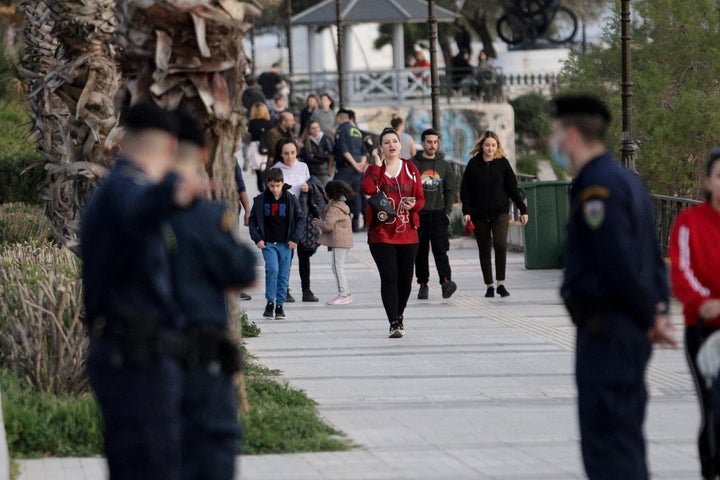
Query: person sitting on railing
[485,76]
[420,60]
[460,69]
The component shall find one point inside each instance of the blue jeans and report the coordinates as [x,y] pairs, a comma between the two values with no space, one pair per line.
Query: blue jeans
[277,271]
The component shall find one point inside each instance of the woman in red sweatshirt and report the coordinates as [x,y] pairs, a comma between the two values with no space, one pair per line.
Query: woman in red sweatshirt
[696,283]
[394,244]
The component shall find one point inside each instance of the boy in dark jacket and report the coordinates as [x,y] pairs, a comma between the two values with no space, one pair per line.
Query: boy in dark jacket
[276,224]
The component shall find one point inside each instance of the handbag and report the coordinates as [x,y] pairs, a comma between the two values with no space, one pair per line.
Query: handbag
[255,159]
[382,208]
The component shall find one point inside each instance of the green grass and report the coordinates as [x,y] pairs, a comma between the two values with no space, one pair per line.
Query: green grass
[282,420]
[40,424]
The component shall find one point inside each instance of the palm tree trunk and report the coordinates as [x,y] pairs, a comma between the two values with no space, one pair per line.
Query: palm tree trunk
[72,79]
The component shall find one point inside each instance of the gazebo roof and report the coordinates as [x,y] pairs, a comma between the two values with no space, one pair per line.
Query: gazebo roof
[371,11]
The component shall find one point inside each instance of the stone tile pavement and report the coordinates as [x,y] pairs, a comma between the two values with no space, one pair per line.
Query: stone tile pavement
[478,389]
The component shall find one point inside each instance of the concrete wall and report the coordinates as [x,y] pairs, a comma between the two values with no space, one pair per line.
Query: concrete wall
[460,124]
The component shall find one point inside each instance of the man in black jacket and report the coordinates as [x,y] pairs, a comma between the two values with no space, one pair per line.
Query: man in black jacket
[440,187]
[252,94]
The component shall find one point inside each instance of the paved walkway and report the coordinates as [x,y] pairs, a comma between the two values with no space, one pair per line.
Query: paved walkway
[478,389]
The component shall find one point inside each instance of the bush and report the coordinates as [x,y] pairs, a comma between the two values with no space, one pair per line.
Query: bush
[22,222]
[21,172]
[40,424]
[42,339]
[532,121]
[527,163]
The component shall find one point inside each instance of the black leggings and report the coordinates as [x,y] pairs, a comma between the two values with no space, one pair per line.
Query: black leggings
[395,263]
[491,235]
[304,255]
[694,337]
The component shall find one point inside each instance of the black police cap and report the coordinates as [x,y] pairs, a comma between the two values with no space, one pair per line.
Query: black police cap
[579,105]
[344,111]
[189,128]
[147,115]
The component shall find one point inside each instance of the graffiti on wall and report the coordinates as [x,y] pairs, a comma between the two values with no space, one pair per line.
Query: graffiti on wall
[460,125]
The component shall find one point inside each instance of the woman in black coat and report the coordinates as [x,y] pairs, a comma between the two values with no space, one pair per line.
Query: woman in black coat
[258,127]
[317,152]
[487,186]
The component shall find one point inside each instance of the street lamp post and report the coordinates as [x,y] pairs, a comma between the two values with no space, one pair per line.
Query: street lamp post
[340,53]
[434,79]
[291,68]
[628,146]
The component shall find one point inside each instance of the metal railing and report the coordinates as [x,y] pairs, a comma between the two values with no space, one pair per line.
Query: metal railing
[666,211]
[666,207]
[414,84]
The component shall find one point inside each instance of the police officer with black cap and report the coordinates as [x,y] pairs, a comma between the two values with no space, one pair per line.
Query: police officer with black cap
[350,159]
[131,314]
[207,259]
[614,287]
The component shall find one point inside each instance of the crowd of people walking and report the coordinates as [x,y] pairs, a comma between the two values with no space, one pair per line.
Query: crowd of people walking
[333,169]
[158,260]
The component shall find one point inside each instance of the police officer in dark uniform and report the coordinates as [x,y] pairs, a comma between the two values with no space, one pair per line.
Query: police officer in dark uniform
[614,287]
[206,260]
[131,315]
[350,160]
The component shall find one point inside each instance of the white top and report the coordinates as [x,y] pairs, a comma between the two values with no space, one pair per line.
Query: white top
[295,176]
[406,140]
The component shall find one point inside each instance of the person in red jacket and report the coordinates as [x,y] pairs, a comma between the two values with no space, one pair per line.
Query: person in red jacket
[695,260]
[394,244]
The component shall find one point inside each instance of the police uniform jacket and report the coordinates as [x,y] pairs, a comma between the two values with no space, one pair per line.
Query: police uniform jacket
[207,259]
[348,138]
[296,221]
[126,270]
[487,188]
[612,258]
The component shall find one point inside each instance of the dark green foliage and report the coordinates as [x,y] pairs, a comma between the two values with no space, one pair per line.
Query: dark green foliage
[527,163]
[249,329]
[39,424]
[21,172]
[676,93]
[532,122]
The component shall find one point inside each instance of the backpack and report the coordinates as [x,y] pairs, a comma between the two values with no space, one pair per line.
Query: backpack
[312,204]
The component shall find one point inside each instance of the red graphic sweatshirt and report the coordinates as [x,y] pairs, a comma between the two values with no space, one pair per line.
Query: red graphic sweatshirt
[405,183]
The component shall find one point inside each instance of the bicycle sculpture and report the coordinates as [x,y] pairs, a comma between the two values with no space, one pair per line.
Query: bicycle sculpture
[526,21]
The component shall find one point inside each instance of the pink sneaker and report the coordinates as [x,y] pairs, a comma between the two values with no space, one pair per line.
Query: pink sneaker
[340,300]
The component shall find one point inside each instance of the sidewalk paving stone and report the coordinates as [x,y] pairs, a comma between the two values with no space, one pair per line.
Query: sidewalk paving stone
[477,389]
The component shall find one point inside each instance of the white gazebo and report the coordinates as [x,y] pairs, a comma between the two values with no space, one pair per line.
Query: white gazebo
[352,12]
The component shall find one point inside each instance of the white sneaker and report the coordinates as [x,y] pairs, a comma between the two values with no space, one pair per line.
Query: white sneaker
[340,300]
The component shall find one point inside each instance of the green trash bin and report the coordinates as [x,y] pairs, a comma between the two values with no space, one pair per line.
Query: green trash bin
[545,231]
